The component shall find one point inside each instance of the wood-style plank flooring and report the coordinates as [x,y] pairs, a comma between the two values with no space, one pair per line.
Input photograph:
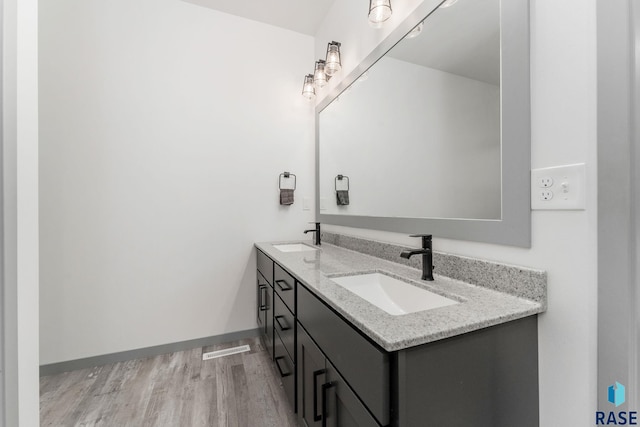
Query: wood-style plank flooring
[177,389]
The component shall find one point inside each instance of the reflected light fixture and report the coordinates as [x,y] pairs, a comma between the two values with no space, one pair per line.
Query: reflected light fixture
[332,63]
[448,3]
[320,77]
[308,89]
[379,11]
[415,32]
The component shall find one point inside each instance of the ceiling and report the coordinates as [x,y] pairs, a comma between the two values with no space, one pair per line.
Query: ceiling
[463,39]
[302,16]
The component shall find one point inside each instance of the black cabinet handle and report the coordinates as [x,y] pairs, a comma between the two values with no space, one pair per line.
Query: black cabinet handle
[284,287]
[261,303]
[282,374]
[282,328]
[325,387]
[316,374]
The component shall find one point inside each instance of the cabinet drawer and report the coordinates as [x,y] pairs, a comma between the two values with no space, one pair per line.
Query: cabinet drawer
[265,266]
[286,369]
[284,323]
[284,284]
[363,365]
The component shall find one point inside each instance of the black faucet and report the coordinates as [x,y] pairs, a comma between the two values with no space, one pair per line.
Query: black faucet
[316,238]
[427,255]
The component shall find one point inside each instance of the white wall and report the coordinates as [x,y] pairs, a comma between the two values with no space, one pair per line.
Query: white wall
[20,212]
[164,127]
[563,73]
[450,170]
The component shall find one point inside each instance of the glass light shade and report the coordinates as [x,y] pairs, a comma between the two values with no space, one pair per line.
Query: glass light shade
[379,11]
[308,89]
[415,32]
[333,64]
[320,77]
[448,3]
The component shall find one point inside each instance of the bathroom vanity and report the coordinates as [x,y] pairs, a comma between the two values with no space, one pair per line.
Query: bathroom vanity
[344,361]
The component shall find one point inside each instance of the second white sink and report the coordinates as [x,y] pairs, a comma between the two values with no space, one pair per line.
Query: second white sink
[294,247]
[392,295]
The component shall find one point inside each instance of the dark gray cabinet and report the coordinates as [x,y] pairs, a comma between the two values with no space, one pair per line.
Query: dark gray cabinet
[311,375]
[265,300]
[485,378]
[336,376]
[277,320]
[265,312]
[324,397]
[364,365]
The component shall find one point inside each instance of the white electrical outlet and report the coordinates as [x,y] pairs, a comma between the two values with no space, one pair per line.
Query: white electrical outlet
[558,188]
[306,203]
[546,182]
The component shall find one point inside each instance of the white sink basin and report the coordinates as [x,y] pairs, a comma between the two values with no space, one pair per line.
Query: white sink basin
[392,295]
[294,247]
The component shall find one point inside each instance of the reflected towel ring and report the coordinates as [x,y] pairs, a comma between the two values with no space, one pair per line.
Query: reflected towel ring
[287,175]
[340,178]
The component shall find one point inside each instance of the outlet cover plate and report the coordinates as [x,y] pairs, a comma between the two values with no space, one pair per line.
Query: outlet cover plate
[566,185]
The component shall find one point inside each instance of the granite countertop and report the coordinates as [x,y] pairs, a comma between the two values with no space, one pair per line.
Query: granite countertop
[479,307]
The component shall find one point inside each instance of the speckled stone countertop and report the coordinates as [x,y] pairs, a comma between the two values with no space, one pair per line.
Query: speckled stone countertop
[479,307]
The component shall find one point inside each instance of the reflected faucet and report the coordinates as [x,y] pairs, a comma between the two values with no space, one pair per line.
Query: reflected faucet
[316,238]
[427,255]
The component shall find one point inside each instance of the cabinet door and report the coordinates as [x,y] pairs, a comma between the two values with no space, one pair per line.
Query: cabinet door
[311,377]
[269,321]
[340,405]
[261,302]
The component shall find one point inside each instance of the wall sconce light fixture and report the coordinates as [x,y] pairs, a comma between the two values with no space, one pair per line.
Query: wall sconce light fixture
[320,77]
[332,63]
[308,89]
[379,11]
[322,71]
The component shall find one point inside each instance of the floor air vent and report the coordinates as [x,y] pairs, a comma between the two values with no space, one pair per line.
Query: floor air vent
[225,352]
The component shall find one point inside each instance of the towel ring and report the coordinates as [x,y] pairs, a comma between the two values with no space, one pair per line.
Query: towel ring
[340,178]
[287,175]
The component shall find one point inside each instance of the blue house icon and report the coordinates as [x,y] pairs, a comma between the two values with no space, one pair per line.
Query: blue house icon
[616,394]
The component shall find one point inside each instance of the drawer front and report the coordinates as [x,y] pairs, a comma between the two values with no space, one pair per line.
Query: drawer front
[265,266]
[363,365]
[284,323]
[285,286]
[286,369]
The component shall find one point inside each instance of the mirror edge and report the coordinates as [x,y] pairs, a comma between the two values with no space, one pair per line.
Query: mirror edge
[514,229]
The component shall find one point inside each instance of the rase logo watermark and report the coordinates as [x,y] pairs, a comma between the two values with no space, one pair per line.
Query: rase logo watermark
[616,395]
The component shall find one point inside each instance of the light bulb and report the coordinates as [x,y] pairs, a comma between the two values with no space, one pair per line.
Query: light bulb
[333,63]
[308,90]
[320,77]
[379,11]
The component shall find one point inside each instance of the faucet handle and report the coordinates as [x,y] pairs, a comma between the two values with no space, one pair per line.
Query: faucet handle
[427,236]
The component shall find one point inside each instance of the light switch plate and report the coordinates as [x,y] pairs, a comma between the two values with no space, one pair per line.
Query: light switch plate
[306,203]
[559,188]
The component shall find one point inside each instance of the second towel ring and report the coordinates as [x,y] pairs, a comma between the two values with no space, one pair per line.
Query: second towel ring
[340,178]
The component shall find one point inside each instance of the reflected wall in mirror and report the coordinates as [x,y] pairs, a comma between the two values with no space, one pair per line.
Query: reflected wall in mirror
[419,133]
